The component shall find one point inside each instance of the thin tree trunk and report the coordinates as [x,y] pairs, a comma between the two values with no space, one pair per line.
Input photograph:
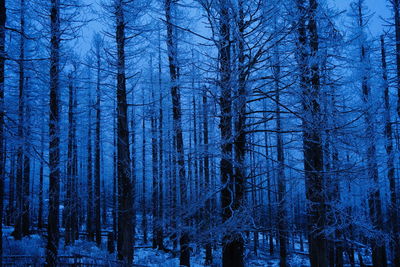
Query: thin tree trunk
[69,203]
[115,176]
[207,184]
[144,215]
[89,216]
[97,178]
[374,197]
[184,258]
[133,159]
[312,142]
[393,215]
[19,226]
[160,231]
[125,192]
[54,139]
[11,196]
[154,160]
[2,147]
[41,169]
[282,214]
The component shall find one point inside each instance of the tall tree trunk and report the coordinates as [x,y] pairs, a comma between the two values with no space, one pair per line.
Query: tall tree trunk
[20,185]
[154,160]
[144,215]
[236,183]
[11,192]
[374,197]
[232,244]
[269,189]
[184,258]
[41,174]
[312,141]
[2,155]
[396,11]
[89,215]
[207,182]
[160,231]
[115,176]
[133,158]
[54,139]
[69,202]
[282,217]
[25,222]
[125,193]
[97,195]
[393,215]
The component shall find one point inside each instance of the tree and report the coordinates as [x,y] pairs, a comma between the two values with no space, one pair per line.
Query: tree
[308,46]
[71,204]
[97,196]
[3,17]
[393,215]
[282,217]
[207,182]
[184,257]
[374,197]
[125,193]
[143,201]
[232,244]
[54,138]
[22,213]
[89,209]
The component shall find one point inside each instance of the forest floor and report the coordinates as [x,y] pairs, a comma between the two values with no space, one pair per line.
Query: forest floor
[34,248]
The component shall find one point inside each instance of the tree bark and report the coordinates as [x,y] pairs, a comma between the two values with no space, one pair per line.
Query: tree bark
[143,200]
[2,155]
[374,197]
[54,139]
[232,244]
[393,215]
[282,214]
[184,257]
[125,193]
[207,182]
[312,141]
[97,193]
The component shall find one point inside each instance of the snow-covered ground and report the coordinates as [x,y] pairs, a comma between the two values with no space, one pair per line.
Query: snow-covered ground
[34,247]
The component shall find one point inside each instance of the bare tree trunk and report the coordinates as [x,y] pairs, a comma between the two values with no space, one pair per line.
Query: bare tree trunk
[115,177]
[184,258]
[41,168]
[207,182]
[133,160]
[70,196]
[269,189]
[232,244]
[11,191]
[143,200]
[160,231]
[312,142]
[97,178]
[2,147]
[54,139]
[282,214]
[374,197]
[393,215]
[125,193]
[154,159]
[20,185]
[27,167]
[89,216]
